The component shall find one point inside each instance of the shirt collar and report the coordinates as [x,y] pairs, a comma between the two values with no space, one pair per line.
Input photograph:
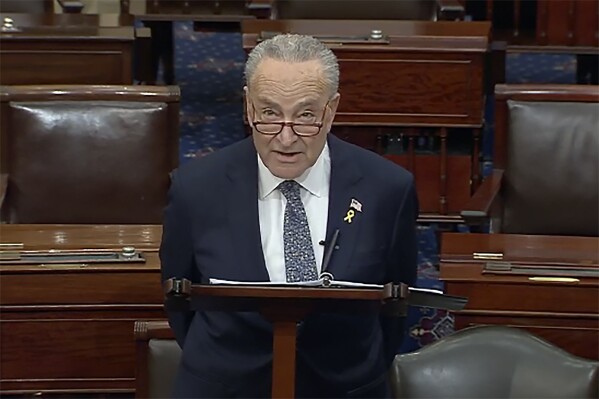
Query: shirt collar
[315,179]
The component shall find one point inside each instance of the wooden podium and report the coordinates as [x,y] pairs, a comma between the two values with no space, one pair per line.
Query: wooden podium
[285,306]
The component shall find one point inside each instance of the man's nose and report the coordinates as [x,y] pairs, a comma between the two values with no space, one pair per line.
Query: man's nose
[287,136]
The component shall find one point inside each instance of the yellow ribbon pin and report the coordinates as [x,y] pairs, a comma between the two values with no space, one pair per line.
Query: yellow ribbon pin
[349,216]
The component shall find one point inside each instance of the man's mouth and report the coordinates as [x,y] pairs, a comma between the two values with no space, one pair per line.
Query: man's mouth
[287,155]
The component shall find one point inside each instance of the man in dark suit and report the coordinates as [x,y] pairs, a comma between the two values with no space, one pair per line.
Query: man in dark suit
[259,210]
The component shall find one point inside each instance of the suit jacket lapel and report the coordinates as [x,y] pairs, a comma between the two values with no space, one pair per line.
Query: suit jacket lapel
[345,176]
[244,224]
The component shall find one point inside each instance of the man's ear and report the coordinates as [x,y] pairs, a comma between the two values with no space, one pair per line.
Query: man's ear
[332,105]
[248,111]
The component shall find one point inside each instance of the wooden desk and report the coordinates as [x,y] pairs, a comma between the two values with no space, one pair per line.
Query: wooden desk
[565,313]
[207,16]
[68,48]
[427,79]
[69,328]
[196,10]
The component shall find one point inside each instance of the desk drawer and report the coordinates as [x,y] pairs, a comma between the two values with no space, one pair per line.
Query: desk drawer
[84,287]
[92,350]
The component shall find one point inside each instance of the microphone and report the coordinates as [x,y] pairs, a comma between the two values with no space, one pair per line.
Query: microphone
[328,254]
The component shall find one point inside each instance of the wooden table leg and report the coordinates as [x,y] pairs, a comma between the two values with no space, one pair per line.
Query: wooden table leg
[283,365]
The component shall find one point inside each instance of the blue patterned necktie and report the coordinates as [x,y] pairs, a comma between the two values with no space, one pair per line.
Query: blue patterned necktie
[300,264]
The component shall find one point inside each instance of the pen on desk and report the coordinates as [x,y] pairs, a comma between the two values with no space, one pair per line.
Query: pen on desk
[328,251]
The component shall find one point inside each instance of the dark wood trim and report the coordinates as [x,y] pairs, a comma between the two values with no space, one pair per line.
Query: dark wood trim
[67,386]
[169,94]
[547,92]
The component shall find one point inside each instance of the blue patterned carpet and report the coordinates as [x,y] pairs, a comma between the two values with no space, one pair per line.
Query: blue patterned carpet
[209,71]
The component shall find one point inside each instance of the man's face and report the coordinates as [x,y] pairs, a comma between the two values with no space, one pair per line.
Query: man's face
[289,92]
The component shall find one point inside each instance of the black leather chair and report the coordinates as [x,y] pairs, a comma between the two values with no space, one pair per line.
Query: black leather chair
[546,163]
[493,362]
[87,154]
[479,362]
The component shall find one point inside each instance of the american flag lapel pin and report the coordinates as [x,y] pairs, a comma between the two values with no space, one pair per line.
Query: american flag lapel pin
[355,204]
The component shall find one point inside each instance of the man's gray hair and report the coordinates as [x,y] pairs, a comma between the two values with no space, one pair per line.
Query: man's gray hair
[295,48]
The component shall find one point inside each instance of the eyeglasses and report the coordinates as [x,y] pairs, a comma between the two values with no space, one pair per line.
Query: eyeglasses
[301,129]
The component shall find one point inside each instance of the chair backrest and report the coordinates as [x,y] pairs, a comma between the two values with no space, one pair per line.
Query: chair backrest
[157,359]
[88,154]
[423,10]
[547,141]
[493,362]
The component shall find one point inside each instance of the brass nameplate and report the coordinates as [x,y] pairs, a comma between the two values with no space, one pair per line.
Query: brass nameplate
[11,246]
[487,255]
[554,273]
[554,279]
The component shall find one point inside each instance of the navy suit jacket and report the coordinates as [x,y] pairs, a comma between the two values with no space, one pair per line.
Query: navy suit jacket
[211,230]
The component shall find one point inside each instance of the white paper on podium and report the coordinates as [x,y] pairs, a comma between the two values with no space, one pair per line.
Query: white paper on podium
[312,283]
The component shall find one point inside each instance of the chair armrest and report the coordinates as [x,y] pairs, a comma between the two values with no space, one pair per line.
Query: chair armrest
[478,209]
[71,6]
[3,187]
[156,329]
[144,331]
[450,10]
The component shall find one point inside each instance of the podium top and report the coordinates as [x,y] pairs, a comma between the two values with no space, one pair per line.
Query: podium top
[394,298]
[185,288]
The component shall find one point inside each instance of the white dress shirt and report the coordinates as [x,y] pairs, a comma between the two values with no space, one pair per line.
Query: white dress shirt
[314,192]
